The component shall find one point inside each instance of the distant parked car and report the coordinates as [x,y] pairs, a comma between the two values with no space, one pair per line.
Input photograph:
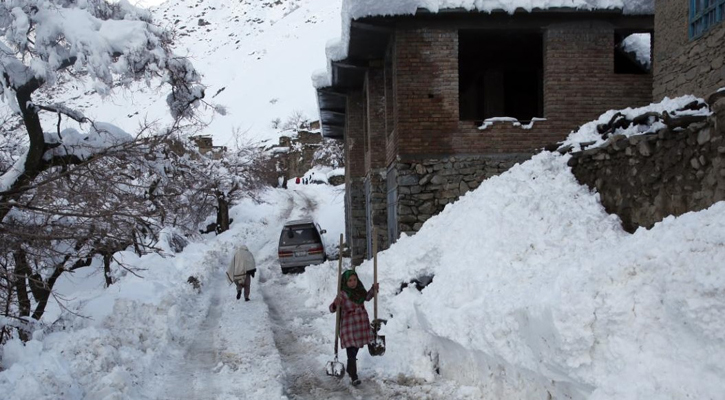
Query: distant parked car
[300,245]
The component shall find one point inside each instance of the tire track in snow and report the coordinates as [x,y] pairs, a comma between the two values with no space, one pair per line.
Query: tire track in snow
[296,344]
[193,380]
[300,344]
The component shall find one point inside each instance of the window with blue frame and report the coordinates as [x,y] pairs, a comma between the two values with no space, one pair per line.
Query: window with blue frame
[705,14]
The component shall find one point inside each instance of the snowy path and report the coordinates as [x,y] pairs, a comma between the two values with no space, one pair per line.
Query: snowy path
[277,344]
[192,379]
[304,338]
[299,343]
[201,356]
[304,349]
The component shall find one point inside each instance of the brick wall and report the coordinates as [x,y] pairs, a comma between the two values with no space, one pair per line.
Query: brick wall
[375,160]
[579,79]
[579,85]
[391,135]
[503,137]
[684,66]
[426,85]
[375,96]
[424,141]
[354,176]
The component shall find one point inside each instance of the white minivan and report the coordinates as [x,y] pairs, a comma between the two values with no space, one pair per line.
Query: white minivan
[300,245]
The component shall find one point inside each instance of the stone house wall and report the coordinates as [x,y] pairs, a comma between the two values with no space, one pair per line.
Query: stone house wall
[299,158]
[645,178]
[683,65]
[378,213]
[425,186]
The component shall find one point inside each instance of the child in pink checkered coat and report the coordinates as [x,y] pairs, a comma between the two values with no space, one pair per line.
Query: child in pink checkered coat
[355,330]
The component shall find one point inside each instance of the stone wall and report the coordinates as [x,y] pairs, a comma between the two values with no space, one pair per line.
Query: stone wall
[681,65]
[645,178]
[425,186]
[378,217]
[301,154]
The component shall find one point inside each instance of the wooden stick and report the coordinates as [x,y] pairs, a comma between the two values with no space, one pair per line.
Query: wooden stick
[337,291]
[375,271]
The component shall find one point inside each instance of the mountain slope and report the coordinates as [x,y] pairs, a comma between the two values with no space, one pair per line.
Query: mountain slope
[256,58]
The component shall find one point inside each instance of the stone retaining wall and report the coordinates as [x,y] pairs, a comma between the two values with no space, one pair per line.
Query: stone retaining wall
[426,186]
[646,178]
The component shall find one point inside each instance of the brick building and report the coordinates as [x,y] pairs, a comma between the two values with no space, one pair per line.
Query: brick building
[690,47]
[431,104]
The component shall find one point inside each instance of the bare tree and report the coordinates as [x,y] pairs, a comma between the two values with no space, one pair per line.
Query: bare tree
[69,196]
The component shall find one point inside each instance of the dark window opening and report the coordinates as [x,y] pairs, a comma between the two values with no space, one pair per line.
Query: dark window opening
[500,75]
[632,53]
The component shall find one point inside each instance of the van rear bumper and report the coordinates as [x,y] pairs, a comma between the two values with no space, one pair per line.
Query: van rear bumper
[294,262]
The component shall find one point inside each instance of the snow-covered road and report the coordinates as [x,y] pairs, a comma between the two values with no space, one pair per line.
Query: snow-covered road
[277,344]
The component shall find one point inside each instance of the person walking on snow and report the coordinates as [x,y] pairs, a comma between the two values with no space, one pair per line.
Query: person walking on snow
[355,330]
[241,271]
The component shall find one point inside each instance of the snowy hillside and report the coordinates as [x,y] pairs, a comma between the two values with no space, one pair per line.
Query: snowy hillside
[256,57]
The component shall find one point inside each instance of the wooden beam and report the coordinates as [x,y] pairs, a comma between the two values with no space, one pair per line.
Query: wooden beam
[334,124]
[351,64]
[332,92]
[336,111]
[377,28]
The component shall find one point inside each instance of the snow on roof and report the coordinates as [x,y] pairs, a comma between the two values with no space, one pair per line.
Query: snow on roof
[354,9]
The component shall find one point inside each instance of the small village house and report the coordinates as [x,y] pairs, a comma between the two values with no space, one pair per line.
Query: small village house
[429,104]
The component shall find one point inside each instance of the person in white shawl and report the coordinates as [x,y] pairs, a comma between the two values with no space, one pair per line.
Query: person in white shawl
[241,271]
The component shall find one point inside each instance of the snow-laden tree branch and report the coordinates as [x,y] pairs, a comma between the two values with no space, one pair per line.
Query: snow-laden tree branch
[68,196]
[110,43]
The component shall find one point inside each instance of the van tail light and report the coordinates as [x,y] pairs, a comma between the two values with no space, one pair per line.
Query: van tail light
[315,250]
[283,254]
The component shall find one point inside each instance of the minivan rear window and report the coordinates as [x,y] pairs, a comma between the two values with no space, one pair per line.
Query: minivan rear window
[301,234]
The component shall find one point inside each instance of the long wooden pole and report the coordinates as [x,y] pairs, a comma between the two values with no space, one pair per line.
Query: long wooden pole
[337,293]
[375,271]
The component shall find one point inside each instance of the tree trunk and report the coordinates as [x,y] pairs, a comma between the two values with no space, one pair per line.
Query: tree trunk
[34,160]
[44,289]
[8,291]
[222,215]
[107,268]
[22,272]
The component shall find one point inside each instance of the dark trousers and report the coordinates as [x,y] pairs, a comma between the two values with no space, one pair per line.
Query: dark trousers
[352,362]
[246,286]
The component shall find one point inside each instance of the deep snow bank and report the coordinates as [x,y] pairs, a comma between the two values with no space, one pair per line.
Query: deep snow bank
[538,289]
